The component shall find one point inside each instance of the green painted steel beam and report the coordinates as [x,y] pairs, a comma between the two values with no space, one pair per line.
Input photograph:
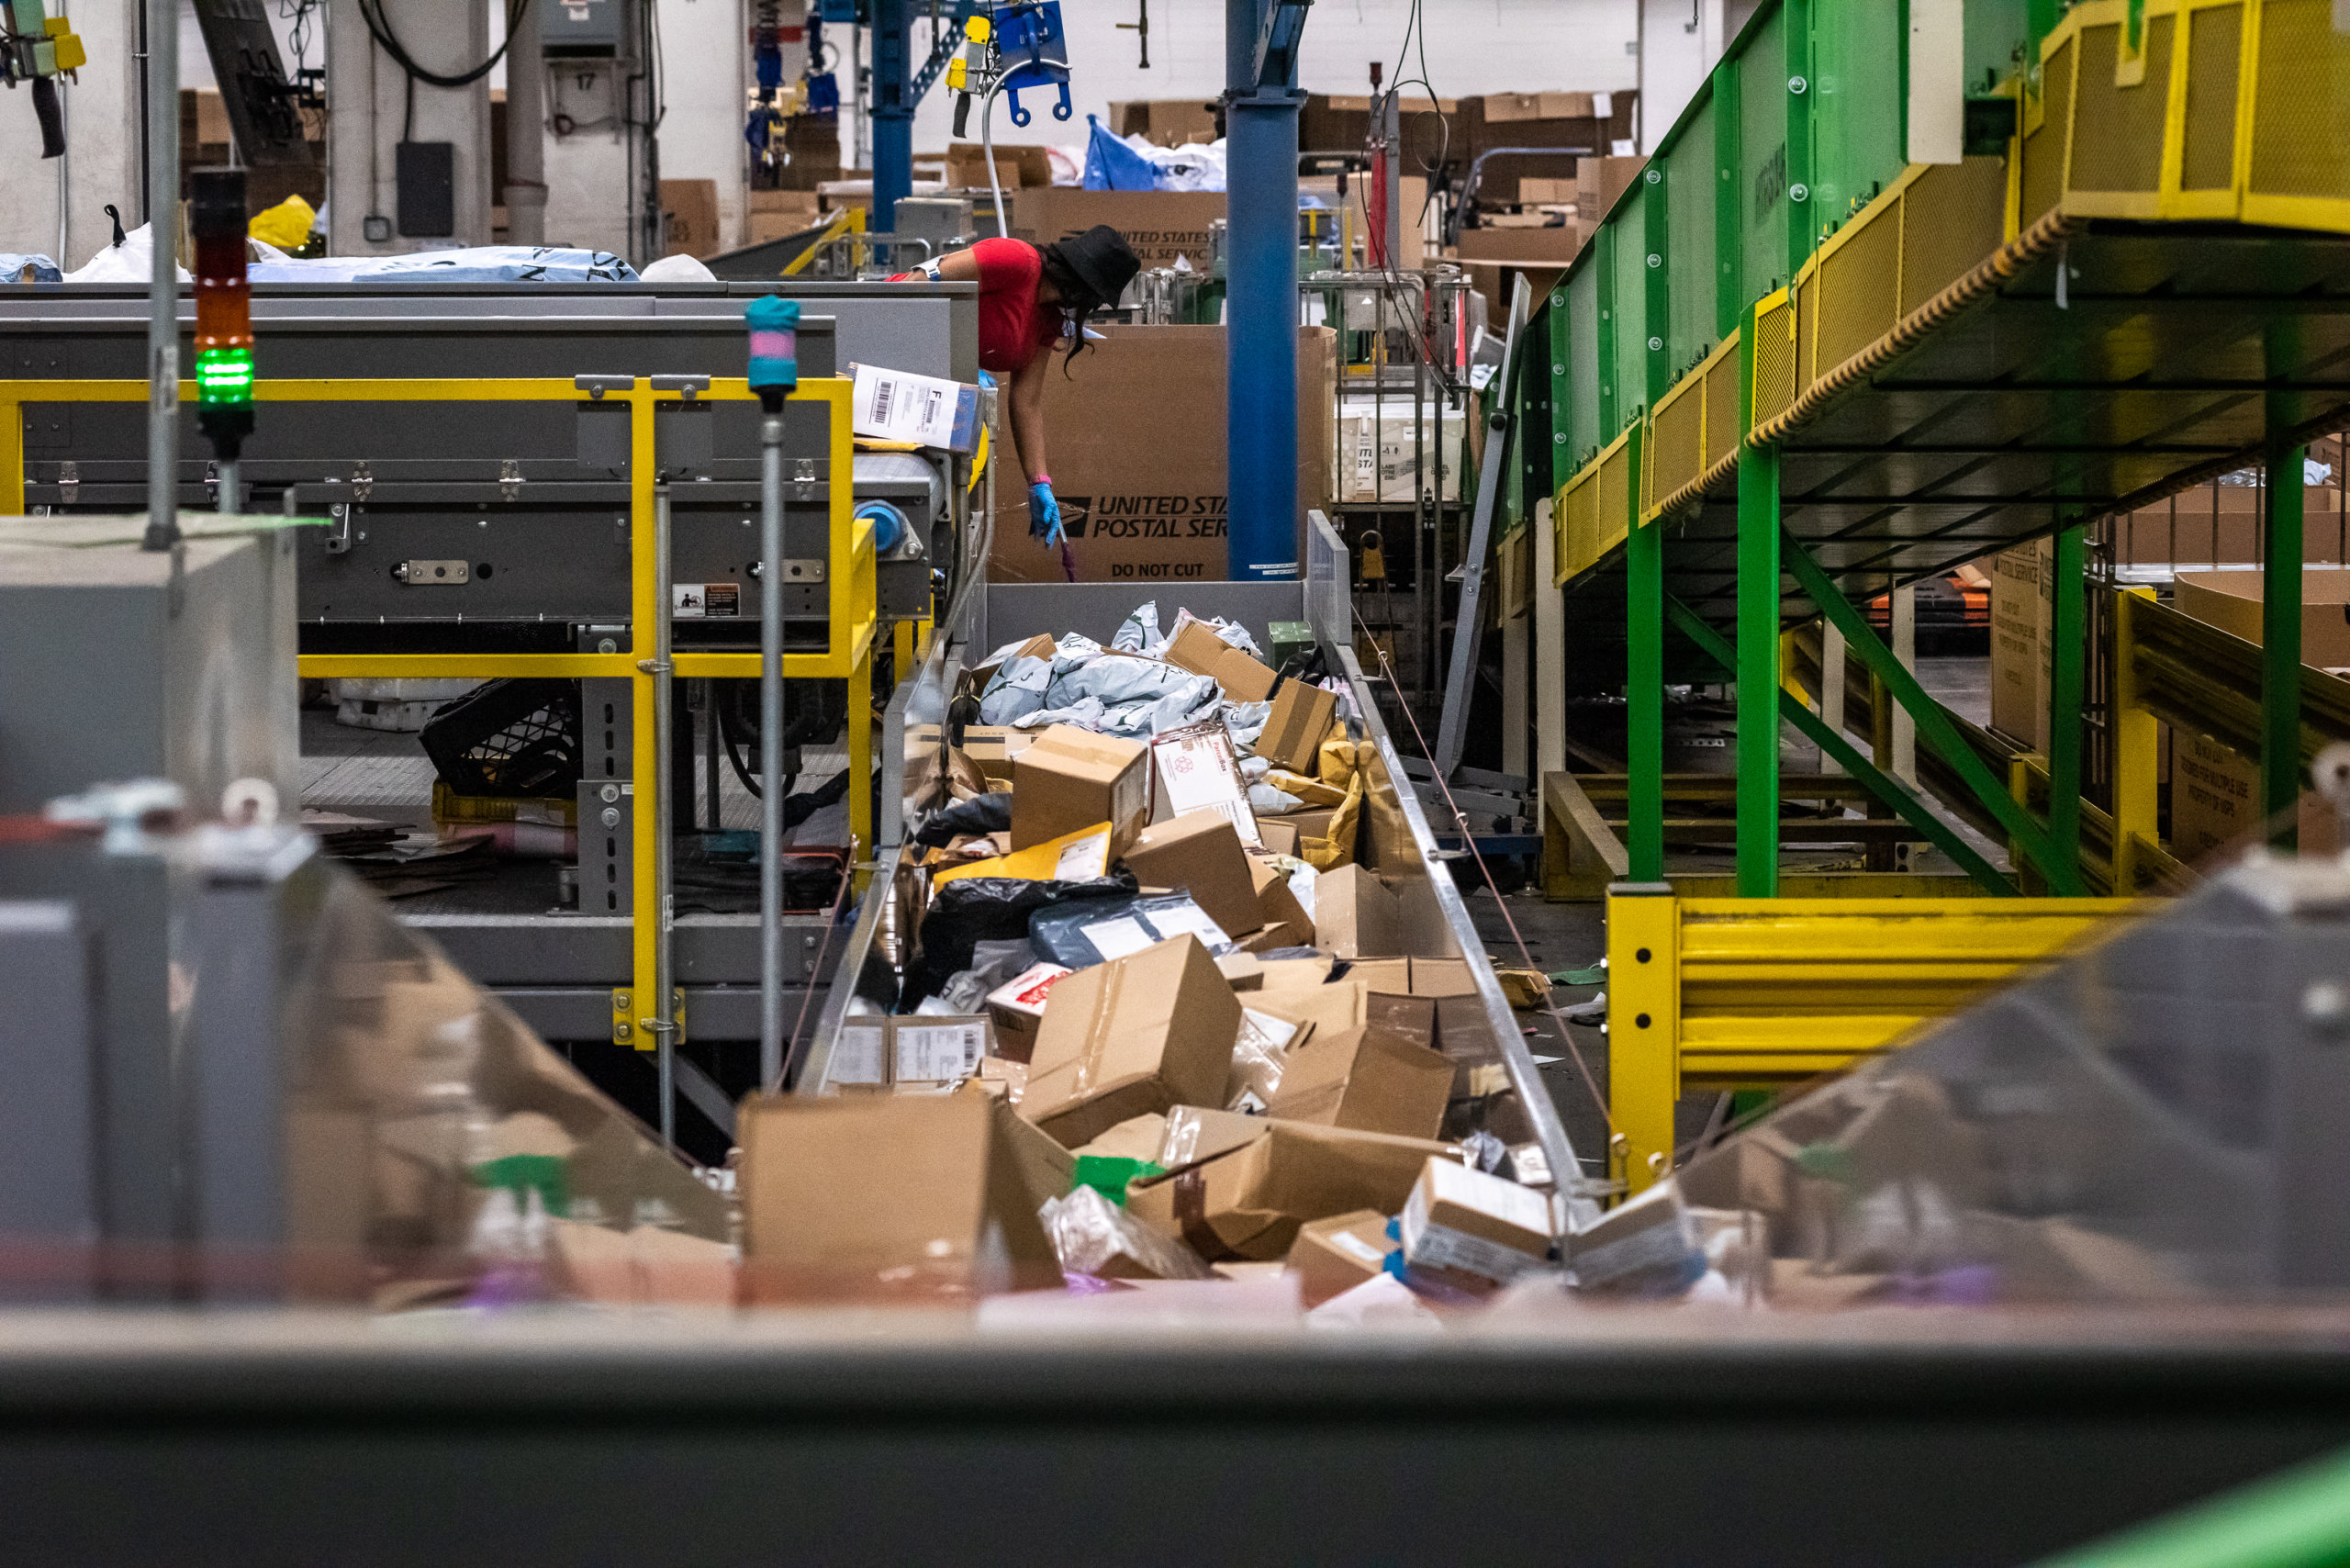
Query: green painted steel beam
[1757,666]
[1562,391]
[2068,635]
[1794,17]
[1656,315]
[1603,245]
[1933,726]
[1832,744]
[1643,683]
[1729,191]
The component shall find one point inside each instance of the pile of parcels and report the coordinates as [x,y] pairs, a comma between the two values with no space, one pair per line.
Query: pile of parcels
[1155,1028]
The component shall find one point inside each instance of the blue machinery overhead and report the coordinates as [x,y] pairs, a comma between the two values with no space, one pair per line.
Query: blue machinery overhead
[1261,102]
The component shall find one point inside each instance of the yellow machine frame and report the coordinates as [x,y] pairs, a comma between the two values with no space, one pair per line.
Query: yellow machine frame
[1751,992]
[851,606]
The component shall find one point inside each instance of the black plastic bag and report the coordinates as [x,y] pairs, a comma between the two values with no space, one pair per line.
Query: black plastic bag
[980,814]
[971,909]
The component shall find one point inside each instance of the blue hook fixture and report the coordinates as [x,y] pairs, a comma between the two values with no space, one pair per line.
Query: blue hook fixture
[1036,53]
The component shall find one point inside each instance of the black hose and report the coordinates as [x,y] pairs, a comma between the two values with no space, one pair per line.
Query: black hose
[379,27]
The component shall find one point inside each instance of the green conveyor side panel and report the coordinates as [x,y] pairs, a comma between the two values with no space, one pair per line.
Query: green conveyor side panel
[1763,156]
[1689,196]
[1857,108]
[1630,325]
[1583,434]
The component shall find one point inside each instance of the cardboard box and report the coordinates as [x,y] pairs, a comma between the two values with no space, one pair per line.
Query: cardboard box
[759,227]
[1279,834]
[1384,454]
[917,1052]
[1018,1006]
[1329,1006]
[2020,654]
[1541,191]
[1168,122]
[1338,122]
[1138,456]
[2230,600]
[1249,1201]
[690,218]
[1366,1078]
[1355,915]
[1197,1132]
[907,1199]
[1158,225]
[990,747]
[1281,920]
[1197,648]
[1293,733]
[1131,1036]
[1018,168]
[1473,1230]
[1553,246]
[1599,181]
[1509,108]
[1199,854]
[1335,1255]
[1070,779]
[1196,773]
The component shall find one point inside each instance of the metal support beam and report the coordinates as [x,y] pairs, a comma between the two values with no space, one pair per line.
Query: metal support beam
[1260,307]
[2281,644]
[2136,749]
[1934,724]
[1757,663]
[1834,747]
[2066,634]
[1643,680]
[892,112]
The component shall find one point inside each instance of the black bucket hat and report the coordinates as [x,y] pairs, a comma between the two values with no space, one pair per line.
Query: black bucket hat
[1103,260]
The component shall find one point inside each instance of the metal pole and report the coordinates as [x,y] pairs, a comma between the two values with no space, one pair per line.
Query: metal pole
[771,752]
[1758,666]
[2280,642]
[162,20]
[893,114]
[1390,135]
[1643,682]
[662,1019]
[526,118]
[1261,308]
[2067,636]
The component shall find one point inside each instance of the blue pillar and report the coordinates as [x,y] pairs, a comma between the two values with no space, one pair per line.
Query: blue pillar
[893,113]
[1260,311]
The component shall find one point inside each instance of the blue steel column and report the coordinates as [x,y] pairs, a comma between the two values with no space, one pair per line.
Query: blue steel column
[893,113]
[1261,333]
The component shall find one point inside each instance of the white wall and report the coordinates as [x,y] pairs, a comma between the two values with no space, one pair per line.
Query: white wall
[1680,42]
[101,161]
[1472,46]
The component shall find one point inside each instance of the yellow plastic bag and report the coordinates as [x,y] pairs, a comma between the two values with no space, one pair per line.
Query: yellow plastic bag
[1328,854]
[286,225]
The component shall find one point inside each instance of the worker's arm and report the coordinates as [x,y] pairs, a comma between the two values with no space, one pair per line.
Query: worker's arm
[958,266]
[1026,419]
[1027,428]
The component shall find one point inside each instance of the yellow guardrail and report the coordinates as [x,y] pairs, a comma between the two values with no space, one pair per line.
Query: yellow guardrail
[851,607]
[1748,992]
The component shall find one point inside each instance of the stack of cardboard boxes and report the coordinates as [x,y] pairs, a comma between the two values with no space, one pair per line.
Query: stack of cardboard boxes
[1271,1081]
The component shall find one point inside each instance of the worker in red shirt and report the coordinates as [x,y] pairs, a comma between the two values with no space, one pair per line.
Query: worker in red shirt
[1032,299]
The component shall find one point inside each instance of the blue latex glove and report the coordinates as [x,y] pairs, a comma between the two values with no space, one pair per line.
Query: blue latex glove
[1044,513]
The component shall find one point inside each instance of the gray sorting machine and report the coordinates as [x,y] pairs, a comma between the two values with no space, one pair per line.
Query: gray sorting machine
[504,528]
[984,616]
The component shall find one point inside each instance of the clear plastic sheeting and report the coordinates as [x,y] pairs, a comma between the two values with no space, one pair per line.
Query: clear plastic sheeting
[403,1142]
[2158,1119]
[473,264]
[415,1098]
